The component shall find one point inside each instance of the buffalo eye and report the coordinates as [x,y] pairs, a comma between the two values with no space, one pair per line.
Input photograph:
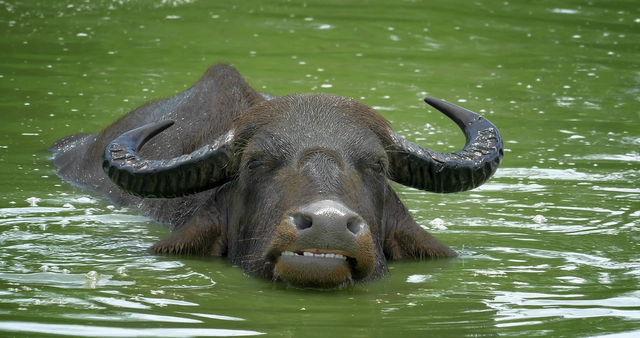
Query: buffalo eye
[377,167]
[253,164]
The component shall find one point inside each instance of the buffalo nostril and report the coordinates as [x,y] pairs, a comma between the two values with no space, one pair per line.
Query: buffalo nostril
[302,221]
[354,225]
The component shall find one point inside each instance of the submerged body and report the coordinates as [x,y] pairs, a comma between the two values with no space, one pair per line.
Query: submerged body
[293,188]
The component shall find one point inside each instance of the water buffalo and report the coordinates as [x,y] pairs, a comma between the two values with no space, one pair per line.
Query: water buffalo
[292,188]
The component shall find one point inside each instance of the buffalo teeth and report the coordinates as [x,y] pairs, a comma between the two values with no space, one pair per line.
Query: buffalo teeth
[311,254]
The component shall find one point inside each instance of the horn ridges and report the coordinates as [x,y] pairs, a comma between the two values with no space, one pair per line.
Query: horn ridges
[203,169]
[426,169]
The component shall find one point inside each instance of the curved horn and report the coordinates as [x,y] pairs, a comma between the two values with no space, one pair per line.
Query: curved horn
[205,168]
[425,169]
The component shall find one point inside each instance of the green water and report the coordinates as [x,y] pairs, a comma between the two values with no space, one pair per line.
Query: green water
[549,247]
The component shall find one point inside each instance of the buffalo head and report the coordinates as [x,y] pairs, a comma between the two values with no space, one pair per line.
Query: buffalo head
[301,187]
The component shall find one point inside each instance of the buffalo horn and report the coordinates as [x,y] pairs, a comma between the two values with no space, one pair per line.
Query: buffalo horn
[418,167]
[203,169]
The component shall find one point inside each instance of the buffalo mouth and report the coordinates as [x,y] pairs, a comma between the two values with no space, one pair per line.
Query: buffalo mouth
[336,254]
[317,269]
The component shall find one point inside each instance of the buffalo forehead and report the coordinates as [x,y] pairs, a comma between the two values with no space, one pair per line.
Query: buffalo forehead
[312,123]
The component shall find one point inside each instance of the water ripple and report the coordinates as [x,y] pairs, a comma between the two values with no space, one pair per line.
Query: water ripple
[109,331]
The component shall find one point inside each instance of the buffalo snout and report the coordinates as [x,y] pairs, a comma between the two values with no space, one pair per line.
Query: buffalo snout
[329,217]
[324,244]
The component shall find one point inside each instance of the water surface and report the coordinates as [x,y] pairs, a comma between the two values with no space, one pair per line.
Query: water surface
[549,247]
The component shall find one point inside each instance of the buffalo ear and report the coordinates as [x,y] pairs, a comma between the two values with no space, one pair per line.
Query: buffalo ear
[202,235]
[404,238]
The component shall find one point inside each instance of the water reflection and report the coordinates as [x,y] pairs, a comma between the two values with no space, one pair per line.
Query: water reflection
[516,306]
[548,248]
[110,331]
[563,174]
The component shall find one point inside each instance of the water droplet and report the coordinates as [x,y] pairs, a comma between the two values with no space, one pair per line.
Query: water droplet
[92,275]
[33,201]
[539,219]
